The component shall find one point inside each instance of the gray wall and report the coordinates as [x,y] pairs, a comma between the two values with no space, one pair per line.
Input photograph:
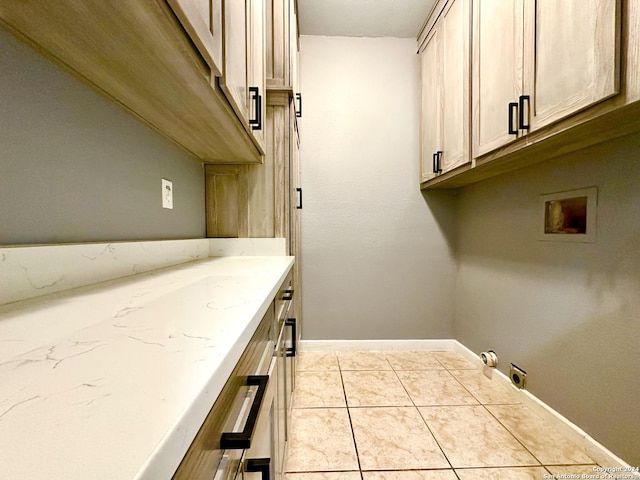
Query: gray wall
[75,167]
[567,313]
[377,258]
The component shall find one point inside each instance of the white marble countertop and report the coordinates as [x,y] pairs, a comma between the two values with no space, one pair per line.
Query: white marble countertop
[114,380]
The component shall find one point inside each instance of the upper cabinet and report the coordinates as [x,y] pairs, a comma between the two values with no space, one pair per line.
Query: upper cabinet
[202,19]
[234,80]
[163,61]
[538,61]
[444,59]
[282,49]
[431,107]
[497,72]
[294,49]
[546,78]
[243,76]
[256,68]
[572,57]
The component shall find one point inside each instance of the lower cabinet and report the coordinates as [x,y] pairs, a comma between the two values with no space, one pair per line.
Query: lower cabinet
[244,435]
[262,461]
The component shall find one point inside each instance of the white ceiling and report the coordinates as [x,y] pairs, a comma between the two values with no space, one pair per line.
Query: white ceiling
[363,18]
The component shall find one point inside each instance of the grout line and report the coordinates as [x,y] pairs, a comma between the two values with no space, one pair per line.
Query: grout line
[425,422]
[484,405]
[353,435]
[513,435]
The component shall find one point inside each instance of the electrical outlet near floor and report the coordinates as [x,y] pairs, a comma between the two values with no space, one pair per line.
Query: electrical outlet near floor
[517,376]
[167,194]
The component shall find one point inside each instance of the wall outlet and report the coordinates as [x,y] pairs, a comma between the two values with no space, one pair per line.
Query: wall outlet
[167,194]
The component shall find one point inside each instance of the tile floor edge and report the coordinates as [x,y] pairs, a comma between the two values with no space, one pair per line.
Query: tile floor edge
[592,447]
[445,344]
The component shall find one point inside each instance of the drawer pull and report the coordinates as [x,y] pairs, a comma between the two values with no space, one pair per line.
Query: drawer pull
[299,109]
[512,130]
[291,322]
[524,126]
[288,294]
[240,440]
[256,123]
[299,206]
[262,465]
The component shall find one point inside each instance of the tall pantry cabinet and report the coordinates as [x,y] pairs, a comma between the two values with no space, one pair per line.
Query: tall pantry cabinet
[265,201]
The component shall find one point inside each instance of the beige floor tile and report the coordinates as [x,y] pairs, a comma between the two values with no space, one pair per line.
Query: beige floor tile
[435,387]
[316,361]
[411,475]
[547,444]
[520,473]
[454,361]
[318,389]
[413,360]
[393,438]
[363,361]
[374,389]
[471,437]
[320,440]
[485,390]
[323,476]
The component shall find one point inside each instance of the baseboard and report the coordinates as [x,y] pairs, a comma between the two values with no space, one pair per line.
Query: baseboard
[595,450]
[344,345]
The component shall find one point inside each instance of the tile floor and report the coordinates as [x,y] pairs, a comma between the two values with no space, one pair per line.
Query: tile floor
[416,416]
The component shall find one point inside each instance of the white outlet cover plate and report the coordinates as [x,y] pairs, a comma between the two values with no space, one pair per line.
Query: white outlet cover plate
[167,194]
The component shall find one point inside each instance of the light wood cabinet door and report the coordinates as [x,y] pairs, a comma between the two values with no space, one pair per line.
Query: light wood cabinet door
[277,27]
[431,107]
[256,68]
[243,79]
[446,86]
[497,71]
[202,19]
[293,46]
[455,89]
[234,75]
[227,200]
[282,44]
[571,56]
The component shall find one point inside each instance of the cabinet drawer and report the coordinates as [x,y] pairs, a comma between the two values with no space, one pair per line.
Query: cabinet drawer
[205,453]
[284,298]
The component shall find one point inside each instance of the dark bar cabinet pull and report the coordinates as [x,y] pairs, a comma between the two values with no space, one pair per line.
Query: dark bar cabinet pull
[256,123]
[262,465]
[241,440]
[512,130]
[299,109]
[435,163]
[439,161]
[291,322]
[288,294]
[299,206]
[523,125]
